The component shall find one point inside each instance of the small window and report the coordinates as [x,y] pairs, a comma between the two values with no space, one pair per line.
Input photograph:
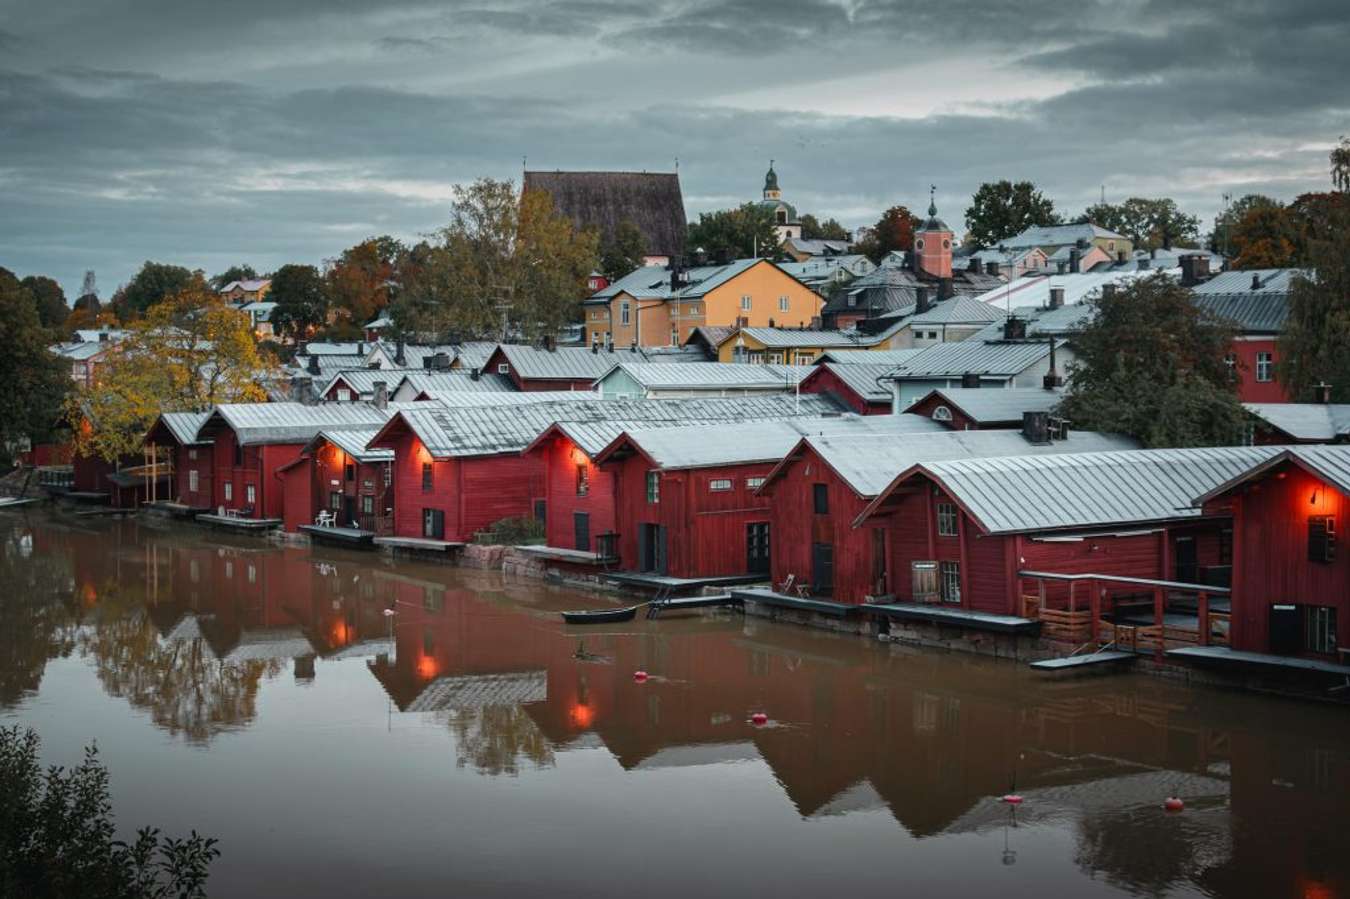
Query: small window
[192,454]
[1321,538]
[1265,367]
[335,500]
[820,497]
[229,491]
[754,483]
[192,481]
[623,313]
[388,474]
[946,519]
[946,244]
[583,479]
[949,581]
[745,303]
[918,244]
[426,477]
[250,494]
[719,484]
[368,505]
[942,413]
[653,486]
[344,395]
[775,358]
[675,336]
[350,472]
[1319,628]
[784,304]
[503,368]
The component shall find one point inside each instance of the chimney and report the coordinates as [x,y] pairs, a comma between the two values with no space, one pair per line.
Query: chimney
[970,380]
[1052,380]
[991,268]
[400,356]
[313,365]
[723,256]
[1036,427]
[550,344]
[1061,266]
[381,399]
[1256,281]
[440,361]
[945,289]
[302,390]
[1056,297]
[1075,260]
[475,374]
[609,347]
[1014,328]
[700,257]
[595,342]
[921,302]
[1323,392]
[974,265]
[360,348]
[632,347]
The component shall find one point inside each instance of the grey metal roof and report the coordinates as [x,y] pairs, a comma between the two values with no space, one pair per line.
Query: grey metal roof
[353,442]
[869,464]
[710,375]
[449,433]
[1059,492]
[475,691]
[786,337]
[1253,312]
[79,352]
[457,381]
[256,423]
[1057,235]
[869,357]
[1305,421]
[184,425]
[763,441]
[463,398]
[652,282]
[362,380]
[1034,290]
[991,406]
[863,379]
[563,363]
[1330,463]
[957,311]
[1278,280]
[951,360]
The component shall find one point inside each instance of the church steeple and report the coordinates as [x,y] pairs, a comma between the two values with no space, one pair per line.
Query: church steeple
[932,201]
[771,191]
[933,242]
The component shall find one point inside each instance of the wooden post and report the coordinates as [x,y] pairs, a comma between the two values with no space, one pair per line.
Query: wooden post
[1096,607]
[1203,603]
[1159,603]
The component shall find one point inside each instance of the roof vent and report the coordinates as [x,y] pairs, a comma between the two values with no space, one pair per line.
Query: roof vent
[1056,297]
[313,365]
[1036,427]
[1014,328]
[1256,282]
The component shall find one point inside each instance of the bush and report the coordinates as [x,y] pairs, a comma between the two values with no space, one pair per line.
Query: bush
[511,532]
[56,836]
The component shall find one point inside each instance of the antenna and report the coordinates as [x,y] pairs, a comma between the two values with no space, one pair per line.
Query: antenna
[1103,195]
[677,164]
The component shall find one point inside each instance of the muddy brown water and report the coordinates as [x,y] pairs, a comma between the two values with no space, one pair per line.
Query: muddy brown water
[473,745]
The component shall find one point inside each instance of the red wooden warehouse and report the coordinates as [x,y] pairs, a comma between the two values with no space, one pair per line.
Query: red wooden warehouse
[337,480]
[855,385]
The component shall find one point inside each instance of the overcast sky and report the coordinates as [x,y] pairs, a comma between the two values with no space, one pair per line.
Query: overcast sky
[209,133]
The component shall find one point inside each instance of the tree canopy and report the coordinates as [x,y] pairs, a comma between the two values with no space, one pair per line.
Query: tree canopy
[893,231]
[1149,223]
[1151,364]
[624,254]
[152,283]
[830,229]
[744,231]
[361,282]
[36,381]
[301,296]
[188,352]
[1001,209]
[49,299]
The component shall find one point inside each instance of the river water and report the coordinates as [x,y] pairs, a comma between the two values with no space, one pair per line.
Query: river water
[473,745]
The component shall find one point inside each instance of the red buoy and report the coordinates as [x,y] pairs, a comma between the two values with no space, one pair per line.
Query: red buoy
[759,719]
[640,676]
[1012,799]
[1173,804]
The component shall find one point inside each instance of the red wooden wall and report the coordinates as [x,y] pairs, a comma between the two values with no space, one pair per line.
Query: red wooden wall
[558,459]
[258,468]
[959,421]
[822,380]
[1251,390]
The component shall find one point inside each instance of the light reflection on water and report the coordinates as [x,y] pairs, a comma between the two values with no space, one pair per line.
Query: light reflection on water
[472,744]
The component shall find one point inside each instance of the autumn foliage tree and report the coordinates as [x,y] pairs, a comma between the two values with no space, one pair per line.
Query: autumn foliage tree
[893,231]
[361,282]
[188,352]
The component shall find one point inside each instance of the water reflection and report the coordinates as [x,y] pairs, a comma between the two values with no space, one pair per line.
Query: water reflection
[193,633]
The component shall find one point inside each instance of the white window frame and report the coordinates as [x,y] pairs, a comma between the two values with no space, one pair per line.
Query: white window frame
[754,483]
[942,413]
[747,302]
[229,491]
[344,395]
[946,519]
[503,368]
[1265,367]
[193,480]
[250,494]
[949,581]
[625,313]
[784,304]
[720,485]
[653,486]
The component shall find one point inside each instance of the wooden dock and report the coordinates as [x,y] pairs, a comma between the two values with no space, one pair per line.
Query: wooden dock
[801,603]
[1222,655]
[963,618]
[1110,658]
[339,536]
[239,522]
[665,584]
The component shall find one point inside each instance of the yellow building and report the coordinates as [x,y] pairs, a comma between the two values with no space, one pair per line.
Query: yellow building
[658,306]
[238,293]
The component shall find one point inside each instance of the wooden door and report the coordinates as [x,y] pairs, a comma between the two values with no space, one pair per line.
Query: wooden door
[581,527]
[822,568]
[433,524]
[924,581]
[662,560]
[757,547]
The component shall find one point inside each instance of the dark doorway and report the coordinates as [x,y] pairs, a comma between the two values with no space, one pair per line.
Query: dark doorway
[1185,561]
[1285,633]
[757,547]
[652,557]
[822,568]
[581,527]
[880,584]
[433,524]
[348,511]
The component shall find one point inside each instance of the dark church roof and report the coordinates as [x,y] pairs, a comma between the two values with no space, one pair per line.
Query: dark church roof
[603,200]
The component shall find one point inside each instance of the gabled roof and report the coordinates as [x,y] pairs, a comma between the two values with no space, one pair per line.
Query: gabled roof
[760,441]
[457,432]
[1328,463]
[791,337]
[459,380]
[1254,312]
[604,200]
[652,282]
[1277,280]
[999,405]
[258,423]
[1086,490]
[868,357]
[562,364]
[862,379]
[819,246]
[869,465]
[992,358]
[709,375]
[1305,421]
[361,381]
[466,398]
[957,311]
[250,285]
[352,442]
[1057,235]
[180,426]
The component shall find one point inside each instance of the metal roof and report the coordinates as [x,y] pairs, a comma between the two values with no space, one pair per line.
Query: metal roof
[863,379]
[353,442]
[1057,235]
[462,398]
[951,360]
[449,433]
[957,311]
[990,406]
[457,381]
[362,380]
[1253,312]
[710,375]
[1034,290]
[1330,463]
[1058,492]
[1305,421]
[79,352]
[184,425]
[256,423]
[870,464]
[762,441]
[1278,280]
[652,282]
[786,337]
[563,363]
[869,357]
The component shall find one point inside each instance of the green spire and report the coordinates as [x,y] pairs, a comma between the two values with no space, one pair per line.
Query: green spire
[932,200]
[771,178]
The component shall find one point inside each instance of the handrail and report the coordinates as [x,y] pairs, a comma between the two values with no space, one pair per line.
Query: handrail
[1122,579]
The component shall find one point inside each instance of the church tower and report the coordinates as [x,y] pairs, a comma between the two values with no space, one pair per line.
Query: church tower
[771,191]
[786,224]
[933,243]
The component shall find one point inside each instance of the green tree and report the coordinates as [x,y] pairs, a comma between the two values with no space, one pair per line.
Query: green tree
[830,229]
[1151,364]
[57,835]
[1149,223]
[1002,209]
[301,295]
[893,231]
[1317,332]
[744,231]
[1340,166]
[36,382]
[49,298]
[152,283]
[624,253]
[232,274]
